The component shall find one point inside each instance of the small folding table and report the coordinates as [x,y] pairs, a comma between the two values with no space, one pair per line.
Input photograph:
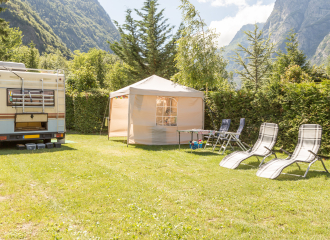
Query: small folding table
[196,131]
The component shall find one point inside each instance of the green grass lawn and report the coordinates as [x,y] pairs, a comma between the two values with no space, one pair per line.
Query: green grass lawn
[99,189]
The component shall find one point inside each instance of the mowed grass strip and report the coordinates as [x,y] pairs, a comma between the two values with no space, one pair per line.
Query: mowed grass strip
[100,189]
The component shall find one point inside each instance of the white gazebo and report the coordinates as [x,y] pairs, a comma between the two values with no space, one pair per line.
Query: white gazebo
[152,110]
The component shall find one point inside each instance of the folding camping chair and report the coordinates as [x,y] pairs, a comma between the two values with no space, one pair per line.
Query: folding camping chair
[263,147]
[225,124]
[234,138]
[309,142]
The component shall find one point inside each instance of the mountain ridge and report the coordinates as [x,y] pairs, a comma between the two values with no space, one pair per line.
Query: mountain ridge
[63,24]
[87,24]
[20,14]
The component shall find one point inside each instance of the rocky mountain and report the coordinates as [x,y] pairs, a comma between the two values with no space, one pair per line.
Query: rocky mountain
[19,14]
[310,19]
[323,51]
[80,25]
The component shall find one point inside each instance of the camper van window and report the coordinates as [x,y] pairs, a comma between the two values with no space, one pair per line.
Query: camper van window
[167,111]
[31,97]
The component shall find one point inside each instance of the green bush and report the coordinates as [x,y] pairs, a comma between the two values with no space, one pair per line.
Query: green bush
[289,105]
[88,110]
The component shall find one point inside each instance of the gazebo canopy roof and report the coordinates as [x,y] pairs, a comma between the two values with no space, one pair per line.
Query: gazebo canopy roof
[157,86]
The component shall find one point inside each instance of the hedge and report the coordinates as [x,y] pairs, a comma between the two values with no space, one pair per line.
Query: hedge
[85,111]
[69,117]
[288,105]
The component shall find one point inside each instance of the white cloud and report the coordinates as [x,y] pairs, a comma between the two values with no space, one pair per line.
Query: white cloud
[229,26]
[222,3]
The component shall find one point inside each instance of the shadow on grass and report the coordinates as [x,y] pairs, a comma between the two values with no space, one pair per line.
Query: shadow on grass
[205,153]
[159,147]
[183,148]
[248,165]
[311,174]
[151,147]
[124,141]
[10,148]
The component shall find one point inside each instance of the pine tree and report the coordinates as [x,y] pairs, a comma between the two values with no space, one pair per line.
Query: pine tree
[33,56]
[147,45]
[258,61]
[293,56]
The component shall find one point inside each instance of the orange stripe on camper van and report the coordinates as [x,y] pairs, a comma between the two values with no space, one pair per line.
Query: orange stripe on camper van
[50,115]
[7,116]
[54,115]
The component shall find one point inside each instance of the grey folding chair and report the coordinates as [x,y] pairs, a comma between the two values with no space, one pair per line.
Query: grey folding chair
[263,147]
[309,143]
[228,140]
[225,124]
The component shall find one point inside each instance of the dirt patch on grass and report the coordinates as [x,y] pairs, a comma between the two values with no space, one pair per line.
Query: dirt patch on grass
[26,226]
[4,198]
[213,219]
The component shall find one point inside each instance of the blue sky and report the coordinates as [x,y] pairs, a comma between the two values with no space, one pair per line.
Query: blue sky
[226,16]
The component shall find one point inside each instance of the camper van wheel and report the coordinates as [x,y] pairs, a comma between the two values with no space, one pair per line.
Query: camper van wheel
[47,141]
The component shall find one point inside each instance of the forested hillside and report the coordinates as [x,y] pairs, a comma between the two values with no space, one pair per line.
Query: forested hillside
[19,14]
[81,25]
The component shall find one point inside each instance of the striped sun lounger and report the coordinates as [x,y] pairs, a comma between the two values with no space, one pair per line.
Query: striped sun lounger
[263,147]
[309,142]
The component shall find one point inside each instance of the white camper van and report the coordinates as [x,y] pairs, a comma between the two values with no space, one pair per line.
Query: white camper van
[32,103]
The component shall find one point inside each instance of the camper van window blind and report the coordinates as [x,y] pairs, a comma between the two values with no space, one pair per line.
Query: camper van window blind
[167,111]
[31,97]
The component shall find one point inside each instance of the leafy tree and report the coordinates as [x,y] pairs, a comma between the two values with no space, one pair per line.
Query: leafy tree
[198,59]
[12,41]
[27,55]
[20,54]
[53,61]
[82,79]
[147,45]
[97,62]
[257,64]
[118,76]
[97,59]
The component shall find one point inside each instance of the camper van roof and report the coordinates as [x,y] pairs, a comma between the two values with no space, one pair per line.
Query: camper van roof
[11,65]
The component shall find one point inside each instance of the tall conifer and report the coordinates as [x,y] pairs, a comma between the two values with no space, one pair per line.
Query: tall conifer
[147,45]
[257,64]
[293,56]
